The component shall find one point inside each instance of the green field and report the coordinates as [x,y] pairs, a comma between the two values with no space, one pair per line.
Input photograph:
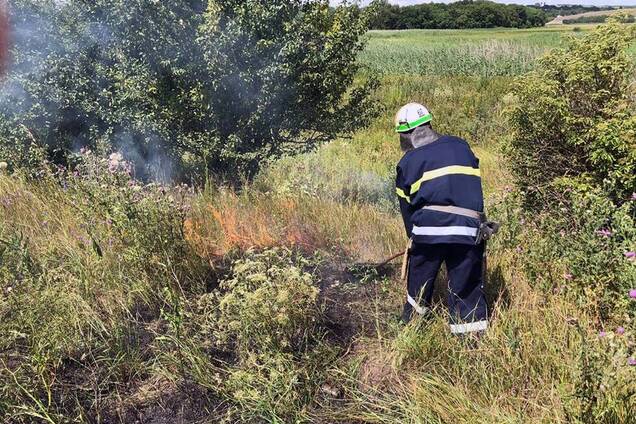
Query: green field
[480,52]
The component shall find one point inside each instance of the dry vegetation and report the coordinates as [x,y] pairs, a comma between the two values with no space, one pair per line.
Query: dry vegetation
[124,302]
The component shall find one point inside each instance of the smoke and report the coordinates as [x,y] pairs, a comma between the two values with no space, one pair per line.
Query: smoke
[61,86]
[150,160]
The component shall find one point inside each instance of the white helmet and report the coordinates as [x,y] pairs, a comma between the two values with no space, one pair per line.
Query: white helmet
[411,116]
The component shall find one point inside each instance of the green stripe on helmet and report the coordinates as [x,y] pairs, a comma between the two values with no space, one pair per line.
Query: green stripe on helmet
[410,125]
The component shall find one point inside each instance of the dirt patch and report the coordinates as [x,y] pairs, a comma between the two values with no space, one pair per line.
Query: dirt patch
[357,299]
[163,402]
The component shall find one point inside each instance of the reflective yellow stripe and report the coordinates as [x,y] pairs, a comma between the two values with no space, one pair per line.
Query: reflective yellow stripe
[401,193]
[449,170]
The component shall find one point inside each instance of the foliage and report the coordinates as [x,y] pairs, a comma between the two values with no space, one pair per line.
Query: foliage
[179,88]
[457,15]
[581,253]
[269,303]
[597,19]
[605,386]
[86,257]
[574,118]
[265,319]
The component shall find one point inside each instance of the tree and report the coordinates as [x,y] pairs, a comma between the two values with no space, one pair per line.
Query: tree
[574,122]
[182,86]
[460,14]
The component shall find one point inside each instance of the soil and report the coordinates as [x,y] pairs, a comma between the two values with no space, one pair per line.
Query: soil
[356,299]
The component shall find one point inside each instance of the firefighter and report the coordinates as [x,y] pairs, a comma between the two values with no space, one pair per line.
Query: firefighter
[441,200]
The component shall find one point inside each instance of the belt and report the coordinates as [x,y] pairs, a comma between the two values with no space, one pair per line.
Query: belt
[456,210]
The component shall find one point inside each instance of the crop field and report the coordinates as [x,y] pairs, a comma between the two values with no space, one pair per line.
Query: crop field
[261,300]
[480,52]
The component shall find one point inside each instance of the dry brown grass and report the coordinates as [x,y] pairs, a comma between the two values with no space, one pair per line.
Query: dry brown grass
[225,221]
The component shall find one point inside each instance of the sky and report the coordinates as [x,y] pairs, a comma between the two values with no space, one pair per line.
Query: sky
[582,2]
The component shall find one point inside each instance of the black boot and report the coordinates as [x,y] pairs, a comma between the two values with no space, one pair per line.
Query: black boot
[407,313]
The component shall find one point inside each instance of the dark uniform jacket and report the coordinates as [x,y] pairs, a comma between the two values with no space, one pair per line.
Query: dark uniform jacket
[442,173]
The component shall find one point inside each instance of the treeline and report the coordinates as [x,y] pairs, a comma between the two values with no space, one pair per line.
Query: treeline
[458,15]
[566,10]
[597,19]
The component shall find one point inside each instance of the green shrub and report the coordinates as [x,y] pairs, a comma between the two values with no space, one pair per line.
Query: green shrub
[575,117]
[581,253]
[573,151]
[182,87]
[257,342]
[269,303]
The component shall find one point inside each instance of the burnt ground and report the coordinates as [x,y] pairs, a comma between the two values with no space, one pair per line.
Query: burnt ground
[359,301]
[356,298]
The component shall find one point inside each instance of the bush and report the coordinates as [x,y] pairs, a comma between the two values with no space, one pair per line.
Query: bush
[257,342]
[180,89]
[581,253]
[575,118]
[269,303]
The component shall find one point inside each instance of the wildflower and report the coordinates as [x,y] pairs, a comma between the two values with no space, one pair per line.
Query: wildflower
[620,331]
[632,293]
[631,361]
[630,255]
[114,161]
[633,196]
[116,157]
[602,334]
[604,232]
[519,249]
[568,276]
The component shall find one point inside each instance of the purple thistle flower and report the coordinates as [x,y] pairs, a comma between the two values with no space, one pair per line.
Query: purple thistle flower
[620,331]
[633,196]
[631,361]
[632,293]
[602,334]
[568,276]
[630,255]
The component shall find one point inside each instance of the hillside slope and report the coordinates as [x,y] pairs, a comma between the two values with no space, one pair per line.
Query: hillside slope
[559,19]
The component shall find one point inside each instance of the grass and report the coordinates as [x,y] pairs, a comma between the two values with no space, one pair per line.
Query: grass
[119,300]
[478,52]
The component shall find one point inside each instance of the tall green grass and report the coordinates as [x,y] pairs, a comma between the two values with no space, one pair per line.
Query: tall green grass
[471,52]
[485,59]
[479,52]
